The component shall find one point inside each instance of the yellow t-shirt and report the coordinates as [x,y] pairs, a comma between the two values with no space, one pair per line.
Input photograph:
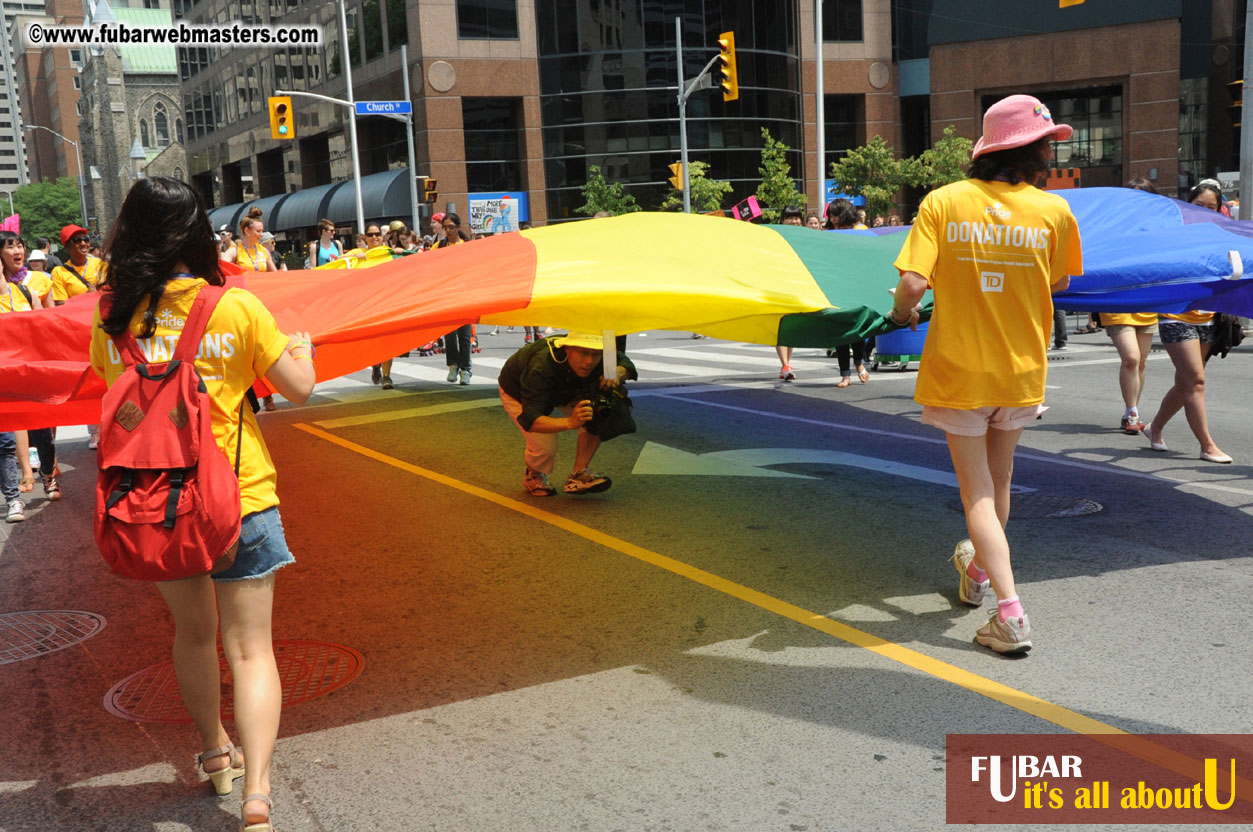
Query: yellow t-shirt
[253,259]
[1190,317]
[990,252]
[241,343]
[1128,318]
[12,299]
[65,285]
[39,283]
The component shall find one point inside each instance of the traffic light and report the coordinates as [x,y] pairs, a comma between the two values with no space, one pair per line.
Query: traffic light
[726,62]
[430,191]
[282,119]
[1236,88]
[676,181]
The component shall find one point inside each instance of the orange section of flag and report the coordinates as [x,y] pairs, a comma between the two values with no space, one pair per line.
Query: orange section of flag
[1061,4]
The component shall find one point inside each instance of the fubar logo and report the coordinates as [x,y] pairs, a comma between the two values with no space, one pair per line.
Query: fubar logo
[993,281]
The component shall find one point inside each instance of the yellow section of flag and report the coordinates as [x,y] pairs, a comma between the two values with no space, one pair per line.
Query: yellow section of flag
[1061,4]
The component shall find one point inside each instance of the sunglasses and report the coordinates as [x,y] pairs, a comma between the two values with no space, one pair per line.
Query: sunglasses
[76,240]
[374,233]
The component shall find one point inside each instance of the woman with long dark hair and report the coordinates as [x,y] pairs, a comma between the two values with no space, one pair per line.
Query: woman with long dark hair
[993,248]
[151,284]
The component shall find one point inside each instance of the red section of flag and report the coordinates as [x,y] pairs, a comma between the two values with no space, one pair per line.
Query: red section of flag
[1099,778]
[358,317]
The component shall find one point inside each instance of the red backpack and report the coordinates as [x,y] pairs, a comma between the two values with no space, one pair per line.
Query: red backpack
[167,501]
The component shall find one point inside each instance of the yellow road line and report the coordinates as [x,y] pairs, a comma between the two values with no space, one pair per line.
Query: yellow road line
[408,412]
[1014,698]
[1025,702]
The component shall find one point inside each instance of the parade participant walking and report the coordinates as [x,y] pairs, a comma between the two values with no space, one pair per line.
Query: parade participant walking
[82,272]
[559,373]
[791,215]
[45,245]
[992,248]
[248,252]
[268,242]
[37,278]
[842,214]
[16,296]
[175,266]
[458,346]
[1187,337]
[325,248]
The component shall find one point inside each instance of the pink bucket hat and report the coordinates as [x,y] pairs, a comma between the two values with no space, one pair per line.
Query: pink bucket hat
[1016,121]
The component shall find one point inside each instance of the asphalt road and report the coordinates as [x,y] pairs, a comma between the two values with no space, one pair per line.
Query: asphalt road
[739,635]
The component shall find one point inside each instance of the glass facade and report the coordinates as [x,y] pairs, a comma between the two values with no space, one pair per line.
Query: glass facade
[487,19]
[1096,145]
[841,20]
[607,93]
[493,144]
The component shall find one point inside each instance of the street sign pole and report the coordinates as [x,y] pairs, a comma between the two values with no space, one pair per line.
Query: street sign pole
[352,117]
[678,45]
[820,112]
[413,168]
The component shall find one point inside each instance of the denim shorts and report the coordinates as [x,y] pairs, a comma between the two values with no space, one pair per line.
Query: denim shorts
[1176,332]
[262,547]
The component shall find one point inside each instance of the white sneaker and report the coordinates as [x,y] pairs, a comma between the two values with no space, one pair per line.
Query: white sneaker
[969,590]
[453,372]
[16,512]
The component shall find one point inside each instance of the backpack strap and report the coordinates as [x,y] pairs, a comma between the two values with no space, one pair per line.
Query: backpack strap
[81,279]
[197,321]
[30,300]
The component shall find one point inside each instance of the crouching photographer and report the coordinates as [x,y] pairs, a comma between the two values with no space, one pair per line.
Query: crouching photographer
[565,373]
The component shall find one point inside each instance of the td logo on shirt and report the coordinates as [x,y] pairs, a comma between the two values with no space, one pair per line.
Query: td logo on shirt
[993,281]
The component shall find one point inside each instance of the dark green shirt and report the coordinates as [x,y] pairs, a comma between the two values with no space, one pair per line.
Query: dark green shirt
[542,382]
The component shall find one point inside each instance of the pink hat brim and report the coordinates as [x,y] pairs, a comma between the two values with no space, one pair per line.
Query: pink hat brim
[1059,132]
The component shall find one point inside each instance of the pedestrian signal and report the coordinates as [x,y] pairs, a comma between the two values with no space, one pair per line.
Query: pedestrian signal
[726,61]
[430,191]
[282,120]
[676,181]
[1236,108]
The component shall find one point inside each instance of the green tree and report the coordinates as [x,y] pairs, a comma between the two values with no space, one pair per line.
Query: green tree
[777,189]
[46,207]
[707,193]
[599,195]
[874,172]
[944,163]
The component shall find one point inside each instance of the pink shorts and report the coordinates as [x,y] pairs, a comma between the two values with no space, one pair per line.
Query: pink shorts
[976,422]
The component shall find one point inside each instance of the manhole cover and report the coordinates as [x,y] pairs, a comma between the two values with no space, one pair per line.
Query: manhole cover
[24,635]
[1044,507]
[307,669]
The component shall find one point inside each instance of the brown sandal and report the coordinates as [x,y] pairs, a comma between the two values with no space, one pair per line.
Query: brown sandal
[260,826]
[844,381]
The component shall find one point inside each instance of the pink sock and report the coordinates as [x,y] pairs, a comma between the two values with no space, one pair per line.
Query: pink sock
[975,573]
[1010,608]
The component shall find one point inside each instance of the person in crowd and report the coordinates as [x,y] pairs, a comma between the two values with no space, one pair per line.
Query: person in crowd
[17,296]
[559,373]
[1187,337]
[894,220]
[37,278]
[791,215]
[812,220]
[1132,335]
[226,239]
[174,266]
[325,248]
[842,215]
[437,228]
[249,254]
[398,239]
[45,245]
[878,222]
[457,344]
[981,379]
[83,271]
[861,219]
[267,240]
[1215,186]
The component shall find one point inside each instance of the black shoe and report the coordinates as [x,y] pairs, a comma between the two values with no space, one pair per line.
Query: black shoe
[387,382]
[376,374]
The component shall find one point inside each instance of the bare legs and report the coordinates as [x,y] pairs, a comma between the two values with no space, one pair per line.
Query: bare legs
[585,450]
[785,355]
[1188,392]
[1133,345]
[246,608]
[984,466]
